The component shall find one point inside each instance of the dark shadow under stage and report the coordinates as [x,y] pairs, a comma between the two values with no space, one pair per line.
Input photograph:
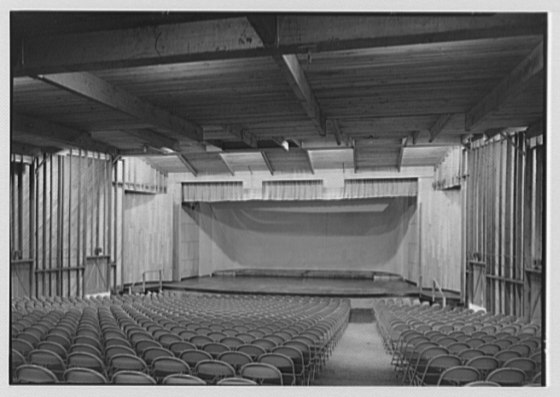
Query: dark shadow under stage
[310,283]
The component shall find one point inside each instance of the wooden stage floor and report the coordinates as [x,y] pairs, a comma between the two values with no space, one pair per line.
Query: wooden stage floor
[352,288]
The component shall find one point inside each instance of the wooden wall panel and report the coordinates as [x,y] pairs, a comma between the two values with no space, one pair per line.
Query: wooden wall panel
[440,236]
[65,200]
[504,224]
[148,219]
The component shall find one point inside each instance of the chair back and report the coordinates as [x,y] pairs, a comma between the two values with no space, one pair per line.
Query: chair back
[129,377]
[30,373]
[507,376]
[213,370]
[84,376]
[459,376]
[183,379]
[262,373]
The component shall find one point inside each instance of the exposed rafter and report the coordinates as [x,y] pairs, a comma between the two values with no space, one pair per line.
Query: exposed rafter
[267,162]
[535,129]
[509,87]
[187,164]
[310,161]
[93,88]
[234,38]
[266,27]
[242,133]
[154,139]
[58,134]
[401,153]
[334,127]
[439,125]
[30,150]
[226,164]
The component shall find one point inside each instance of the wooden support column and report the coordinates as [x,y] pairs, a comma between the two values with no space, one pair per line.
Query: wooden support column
[70,190]
[187,164]
[32,230]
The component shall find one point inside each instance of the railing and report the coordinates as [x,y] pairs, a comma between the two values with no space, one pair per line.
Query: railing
[160,273]
[436,286]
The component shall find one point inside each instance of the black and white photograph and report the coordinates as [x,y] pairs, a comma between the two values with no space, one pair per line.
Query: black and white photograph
[304,199]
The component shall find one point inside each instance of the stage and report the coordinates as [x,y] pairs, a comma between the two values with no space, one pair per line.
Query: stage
[309,283]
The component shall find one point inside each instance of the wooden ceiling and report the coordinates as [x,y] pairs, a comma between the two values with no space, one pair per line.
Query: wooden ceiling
[218,93]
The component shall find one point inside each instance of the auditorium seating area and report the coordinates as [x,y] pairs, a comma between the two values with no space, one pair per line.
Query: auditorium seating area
[167,339]
[431,345]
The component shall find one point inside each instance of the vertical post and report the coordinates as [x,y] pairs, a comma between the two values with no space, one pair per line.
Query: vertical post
[69,261]
[44,227]
[60,226]
[85,234]
[32,226]
[123,228]
[51,161]
[420,281]
[79,225]
[97,204]
[464,195]
[20,208]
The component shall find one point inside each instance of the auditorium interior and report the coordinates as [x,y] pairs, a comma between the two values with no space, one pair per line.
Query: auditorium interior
[223,199]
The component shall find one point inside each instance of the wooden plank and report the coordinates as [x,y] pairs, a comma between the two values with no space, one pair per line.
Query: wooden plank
[510,86]
[60,135]
[235,38]
[401,153]
[226,164]
[93,88]
[153,139]
[243,134]
[149,45]
[439,125]
[335,128]
[187,164]
[310,161]
[297,80]
[267,162]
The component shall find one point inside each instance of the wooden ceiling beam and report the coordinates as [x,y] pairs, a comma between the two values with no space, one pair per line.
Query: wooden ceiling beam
[235,38]
[226,164]
[266,27]
[95,89]
[58,133]
[401,153]
[151,138]
[310,161]
[149,45]
[535,129]
[30,150]
[267,162]
[509,87]
[187,164]
[243,134]
[439,125]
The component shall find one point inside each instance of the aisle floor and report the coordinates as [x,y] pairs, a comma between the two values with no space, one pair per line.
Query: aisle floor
[359,360]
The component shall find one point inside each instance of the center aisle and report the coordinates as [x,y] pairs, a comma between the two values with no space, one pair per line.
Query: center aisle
[358,360]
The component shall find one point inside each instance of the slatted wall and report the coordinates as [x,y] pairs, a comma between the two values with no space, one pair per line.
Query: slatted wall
[63,219]
[504,225]
[148,229]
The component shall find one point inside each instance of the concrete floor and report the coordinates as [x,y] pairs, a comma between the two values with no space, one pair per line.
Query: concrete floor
[358,360]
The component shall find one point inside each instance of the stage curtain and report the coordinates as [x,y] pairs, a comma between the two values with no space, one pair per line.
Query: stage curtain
[292,190]
[212,191]
[374,188]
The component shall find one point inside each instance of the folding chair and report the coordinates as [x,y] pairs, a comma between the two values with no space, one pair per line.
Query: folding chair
[254,351]
[179,346]
[482,383]
[283,363]
[86,360]
[30,373]
[183,379]
[505,355]
[436,365]
[151,353]
[79,375]
[164,366]
[129,377]
[213,370]
[193,357]
[22,346]
[458,376]
[262,373]
[49,360]
[523,363]
[236,382]
[54,347]
[127,362]
[200,340]
[484,364]
[490,349]
[236,359]
[215,348]
[507,376]
[297,358]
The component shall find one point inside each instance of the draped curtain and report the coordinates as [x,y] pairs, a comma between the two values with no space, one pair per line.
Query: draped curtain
[373,188]
[293,190]
[212,191]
